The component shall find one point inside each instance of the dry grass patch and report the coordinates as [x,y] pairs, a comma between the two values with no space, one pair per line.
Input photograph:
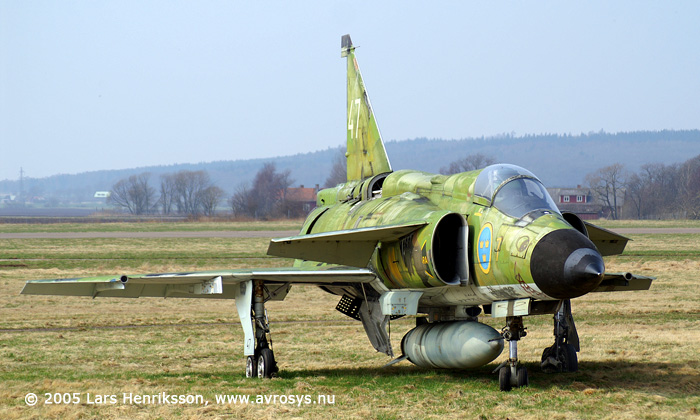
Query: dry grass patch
[639,355]
[612,224]
[154,226]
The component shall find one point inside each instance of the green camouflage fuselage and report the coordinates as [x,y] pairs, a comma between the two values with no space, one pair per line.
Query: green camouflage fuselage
[499,245]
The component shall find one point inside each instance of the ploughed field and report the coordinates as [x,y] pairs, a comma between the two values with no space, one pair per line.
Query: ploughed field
[640,355]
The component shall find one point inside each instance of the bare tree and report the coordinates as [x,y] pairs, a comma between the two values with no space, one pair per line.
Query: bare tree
[133,194]
[689,191]
[608,185]
[339,170]
[265,198]
[240,203]
[211,197]
[167,193]
[189,187]
[636,193]
[469,163]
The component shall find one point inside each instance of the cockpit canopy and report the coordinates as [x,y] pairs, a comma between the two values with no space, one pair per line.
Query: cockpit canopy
[512,190]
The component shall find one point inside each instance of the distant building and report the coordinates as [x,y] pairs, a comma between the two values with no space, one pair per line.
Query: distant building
[300,201]
[580,201]
[102,194]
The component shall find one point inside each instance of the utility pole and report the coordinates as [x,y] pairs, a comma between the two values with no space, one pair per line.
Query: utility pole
[21,186]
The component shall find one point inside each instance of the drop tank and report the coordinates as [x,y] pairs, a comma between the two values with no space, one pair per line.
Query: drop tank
[455,345]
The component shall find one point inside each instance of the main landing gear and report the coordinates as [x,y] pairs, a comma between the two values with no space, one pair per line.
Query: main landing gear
[561,356]
[262,363]
[510,374]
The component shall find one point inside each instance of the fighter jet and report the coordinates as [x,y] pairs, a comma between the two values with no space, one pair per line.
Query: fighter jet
[446,249]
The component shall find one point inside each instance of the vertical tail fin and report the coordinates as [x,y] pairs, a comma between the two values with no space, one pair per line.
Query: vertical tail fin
[365,154]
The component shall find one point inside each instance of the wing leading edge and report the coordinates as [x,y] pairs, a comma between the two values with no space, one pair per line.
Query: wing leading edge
[624,282]
[352,247]
[607,241]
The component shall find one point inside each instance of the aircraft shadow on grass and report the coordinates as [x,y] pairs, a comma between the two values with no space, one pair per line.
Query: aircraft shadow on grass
[666,379]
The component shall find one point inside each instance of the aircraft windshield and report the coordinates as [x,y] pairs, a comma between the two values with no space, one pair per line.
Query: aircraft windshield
[522,196]
[493,176]
[517,191]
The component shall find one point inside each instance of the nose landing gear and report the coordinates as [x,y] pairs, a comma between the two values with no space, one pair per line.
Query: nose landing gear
[510,374]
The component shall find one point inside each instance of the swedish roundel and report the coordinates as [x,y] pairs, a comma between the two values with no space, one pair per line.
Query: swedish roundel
[484,247]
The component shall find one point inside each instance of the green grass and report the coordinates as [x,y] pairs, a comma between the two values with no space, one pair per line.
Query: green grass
[640,350]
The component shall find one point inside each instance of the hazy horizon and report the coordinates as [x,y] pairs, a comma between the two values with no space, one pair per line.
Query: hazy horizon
[390,143]
[107,85]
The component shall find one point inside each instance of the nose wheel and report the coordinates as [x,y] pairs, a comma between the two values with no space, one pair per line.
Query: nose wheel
[510,373]
[508,381]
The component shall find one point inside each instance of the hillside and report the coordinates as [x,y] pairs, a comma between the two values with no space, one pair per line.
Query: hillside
[558,160]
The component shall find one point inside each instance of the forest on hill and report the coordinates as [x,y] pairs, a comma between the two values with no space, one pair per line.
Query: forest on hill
[559,160]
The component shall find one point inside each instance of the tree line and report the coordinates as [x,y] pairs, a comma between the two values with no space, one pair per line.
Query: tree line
[193,194]
[656,191]
[189,193]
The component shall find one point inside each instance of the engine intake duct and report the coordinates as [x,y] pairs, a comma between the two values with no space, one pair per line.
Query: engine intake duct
[434,255]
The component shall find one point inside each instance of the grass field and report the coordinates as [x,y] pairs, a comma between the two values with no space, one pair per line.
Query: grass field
[640,355]
[613,224]
[291,224]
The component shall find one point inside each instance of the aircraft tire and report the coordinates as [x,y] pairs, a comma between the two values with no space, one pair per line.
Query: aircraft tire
[570,358]
[522,378]
[266,363]
[251,367]
[504,378]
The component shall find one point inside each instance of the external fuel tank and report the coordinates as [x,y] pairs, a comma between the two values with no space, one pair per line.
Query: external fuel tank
[454,345]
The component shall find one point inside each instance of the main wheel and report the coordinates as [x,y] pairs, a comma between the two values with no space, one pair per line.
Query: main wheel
[567,360]
[547,364]
[251,367]
[570,358]
[522,378]
[266,363]
[504,378]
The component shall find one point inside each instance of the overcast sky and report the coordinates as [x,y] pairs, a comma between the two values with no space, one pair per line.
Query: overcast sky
[90,85]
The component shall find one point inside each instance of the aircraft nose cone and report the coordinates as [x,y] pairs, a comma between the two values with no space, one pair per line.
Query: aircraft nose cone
[565,264]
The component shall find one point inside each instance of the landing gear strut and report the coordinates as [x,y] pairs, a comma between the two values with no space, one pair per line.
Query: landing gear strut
[561,356]
[261,364]
[511,375]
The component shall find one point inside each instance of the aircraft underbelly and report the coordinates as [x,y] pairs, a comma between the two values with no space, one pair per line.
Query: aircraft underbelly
[478,295]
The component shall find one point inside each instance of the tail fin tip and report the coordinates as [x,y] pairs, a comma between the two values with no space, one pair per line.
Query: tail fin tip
[345,45]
